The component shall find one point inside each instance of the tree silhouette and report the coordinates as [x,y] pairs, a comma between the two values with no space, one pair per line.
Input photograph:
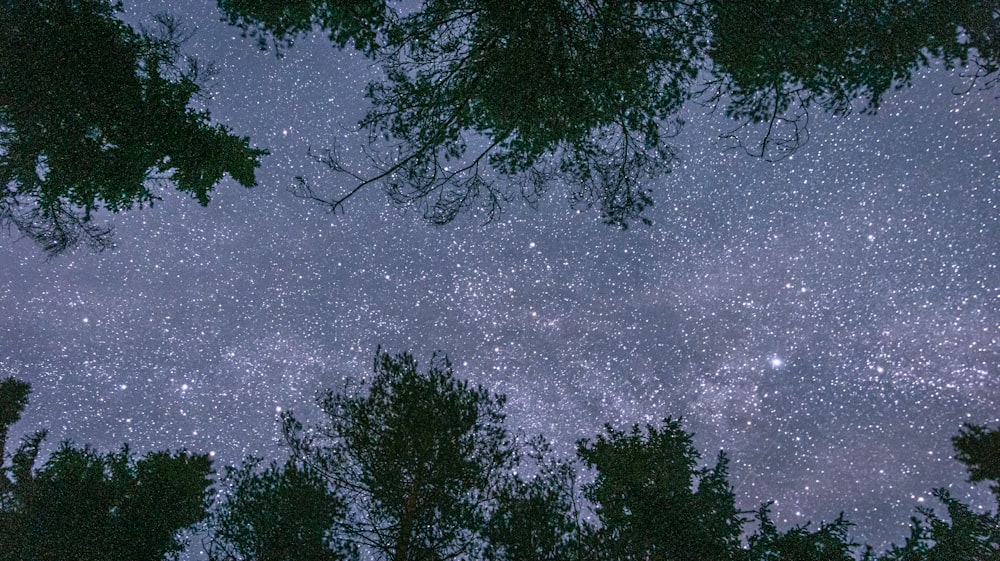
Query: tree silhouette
[486,101]
[93,114]
[417,466]
[13,399]
[536,517]
[965,536]
[979,449]
[277,22]
[490,99]
[417,458]
[828,543]
[281,513]
[653,503]
[773,60]
[83,505]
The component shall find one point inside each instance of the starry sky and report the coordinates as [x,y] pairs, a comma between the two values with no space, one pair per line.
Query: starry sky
[829,320]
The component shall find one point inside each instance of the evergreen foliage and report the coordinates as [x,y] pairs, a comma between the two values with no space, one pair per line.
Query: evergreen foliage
[281,513]
[84,505]
[979,449]
[418,466]
[93,114]
[417,457]
[652,500]
[483,101]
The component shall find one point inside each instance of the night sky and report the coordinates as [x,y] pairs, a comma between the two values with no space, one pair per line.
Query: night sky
[829,320]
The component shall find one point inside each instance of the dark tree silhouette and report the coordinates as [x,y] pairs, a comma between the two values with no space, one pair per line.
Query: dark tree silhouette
[84,506]
[417,466]
[827,543]
[485,101]
[277,22]
[773,60]
[652,501]
[417,458]
[13,399]
[281,513]
[536,517]
[979,449]
[965,536]
[93,114]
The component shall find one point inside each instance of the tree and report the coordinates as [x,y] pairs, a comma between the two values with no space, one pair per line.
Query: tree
[13,399]
[536,517]
[281,513]
[83,505]
[979,449]
[418,459]
[486,100]
[483,101]
[965,536]
[828,543]
[653,503]
[277,22]
[93,114]
[773,60]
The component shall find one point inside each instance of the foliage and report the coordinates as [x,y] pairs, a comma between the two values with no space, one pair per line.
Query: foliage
[281,513]
[83,505]
[965,536]
[92,113]
[418,466]
[774,59]
[828,543]
[482,100]
[536,517]
[417,458]
[279,21]
[13,399]
[979,449]
[653,503]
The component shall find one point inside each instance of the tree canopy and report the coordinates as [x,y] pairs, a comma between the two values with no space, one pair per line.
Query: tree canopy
[84,505]
[481,102]
[537,516]
[484,101]
[829,542]
[417,456]
[653,502]
[978,448]
[965,535]
[418,466]
[93,115]
[280,513]
[13,399]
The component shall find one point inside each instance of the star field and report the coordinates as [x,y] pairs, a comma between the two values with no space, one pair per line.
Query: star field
[830,320]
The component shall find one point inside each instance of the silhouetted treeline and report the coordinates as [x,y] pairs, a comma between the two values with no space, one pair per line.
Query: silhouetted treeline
[96,115]
[480,101]
[84,505]
[418,465]
[483,100]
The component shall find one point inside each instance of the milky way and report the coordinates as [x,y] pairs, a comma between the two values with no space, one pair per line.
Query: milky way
[830,320]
